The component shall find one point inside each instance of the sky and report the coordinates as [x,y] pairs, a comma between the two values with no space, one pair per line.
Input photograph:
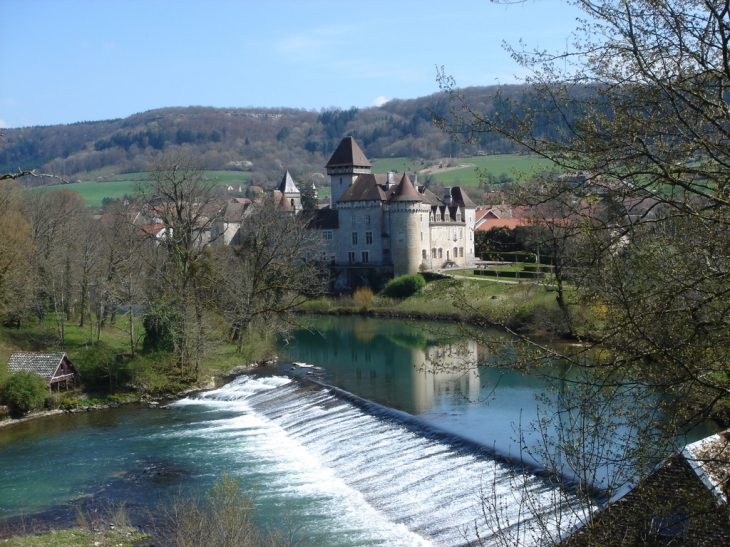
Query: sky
[66,61]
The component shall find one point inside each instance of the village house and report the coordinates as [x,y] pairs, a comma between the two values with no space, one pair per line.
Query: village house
[55,368]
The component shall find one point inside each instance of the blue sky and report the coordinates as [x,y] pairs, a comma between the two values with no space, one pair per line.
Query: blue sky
[63,61]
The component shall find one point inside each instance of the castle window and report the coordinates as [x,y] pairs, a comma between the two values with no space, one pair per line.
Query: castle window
[454,234]
[354,238]
[456,252]
[354,219]
[441,253]
[369,237]
[458,216]
[367,219]
[461,252]
[365,257]
[424,254]
[461,233]
[340,180]
[351,257]
[327,235]
[433,252]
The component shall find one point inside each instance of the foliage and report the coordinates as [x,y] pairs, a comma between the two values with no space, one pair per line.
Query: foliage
[224,517]
[177,193]
[404,286]
[159,325]
[309,195]
[23,392]
[101,367]
[363,298]
[640,121]
[274,269]
[156,373]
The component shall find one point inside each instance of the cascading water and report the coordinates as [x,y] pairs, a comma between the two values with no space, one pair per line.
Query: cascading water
[390,471]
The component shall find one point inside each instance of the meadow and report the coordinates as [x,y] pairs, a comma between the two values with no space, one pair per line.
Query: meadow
[514,166]
[511,165]
[119,185]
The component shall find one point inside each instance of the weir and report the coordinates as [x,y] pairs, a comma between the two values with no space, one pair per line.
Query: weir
[438,485]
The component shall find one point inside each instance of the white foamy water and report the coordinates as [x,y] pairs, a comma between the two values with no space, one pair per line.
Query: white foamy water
[370,474]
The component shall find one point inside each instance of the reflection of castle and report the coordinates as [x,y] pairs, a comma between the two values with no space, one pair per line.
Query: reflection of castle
[410,376]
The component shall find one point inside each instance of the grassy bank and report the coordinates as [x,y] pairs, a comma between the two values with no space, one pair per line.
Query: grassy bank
[78,537]
[111,374]
[522,307]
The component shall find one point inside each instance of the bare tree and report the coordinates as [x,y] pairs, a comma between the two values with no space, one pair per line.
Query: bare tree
[182,200]
[639,105]
[275,268]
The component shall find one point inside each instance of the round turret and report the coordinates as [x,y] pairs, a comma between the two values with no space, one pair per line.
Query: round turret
[407,210]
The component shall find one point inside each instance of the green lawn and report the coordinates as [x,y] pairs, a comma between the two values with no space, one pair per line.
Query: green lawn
[383,165]
[119,185]
[509,164]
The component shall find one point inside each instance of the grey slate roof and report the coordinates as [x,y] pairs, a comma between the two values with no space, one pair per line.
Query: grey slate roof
[287,185]
[43,364]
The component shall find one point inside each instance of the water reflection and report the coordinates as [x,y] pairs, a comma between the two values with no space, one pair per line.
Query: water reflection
[425,369]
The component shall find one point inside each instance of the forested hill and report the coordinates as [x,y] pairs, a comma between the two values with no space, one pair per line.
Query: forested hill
[258,140]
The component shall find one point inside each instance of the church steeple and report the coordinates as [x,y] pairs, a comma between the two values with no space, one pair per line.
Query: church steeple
[291,196]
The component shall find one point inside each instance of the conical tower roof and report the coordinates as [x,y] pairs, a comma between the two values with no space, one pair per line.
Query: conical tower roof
[405,191]
[348,154]
[287,185]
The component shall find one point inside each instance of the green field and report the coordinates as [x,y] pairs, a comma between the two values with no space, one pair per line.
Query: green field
[509,164]
[383,165]
[119,185]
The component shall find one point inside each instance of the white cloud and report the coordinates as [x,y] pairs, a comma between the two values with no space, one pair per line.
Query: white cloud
[9,101]
[3,123]
[380,101]
[109,46]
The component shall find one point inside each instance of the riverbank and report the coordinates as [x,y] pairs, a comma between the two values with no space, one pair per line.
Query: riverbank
[524,308]
[127,399]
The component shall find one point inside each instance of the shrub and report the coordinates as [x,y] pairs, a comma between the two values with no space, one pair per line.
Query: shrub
[363,298]
[224,516]
[159,325]
[24,391]
[100,367]
[404,286]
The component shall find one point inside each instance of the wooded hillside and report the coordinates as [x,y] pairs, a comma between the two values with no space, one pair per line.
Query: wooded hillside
[260,141]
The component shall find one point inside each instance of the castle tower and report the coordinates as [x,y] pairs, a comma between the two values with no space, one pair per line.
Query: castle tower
[407,208]
[347,162]
[291,196]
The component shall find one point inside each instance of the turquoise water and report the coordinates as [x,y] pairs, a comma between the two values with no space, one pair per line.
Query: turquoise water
[348,473]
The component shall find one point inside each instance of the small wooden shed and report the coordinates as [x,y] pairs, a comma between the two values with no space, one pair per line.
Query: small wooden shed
[55,368]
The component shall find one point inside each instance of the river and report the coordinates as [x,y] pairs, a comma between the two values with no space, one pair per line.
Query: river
[350,471]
